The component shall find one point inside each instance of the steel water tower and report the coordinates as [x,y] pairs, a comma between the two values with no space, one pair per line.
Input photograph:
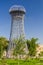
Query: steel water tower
[17,13]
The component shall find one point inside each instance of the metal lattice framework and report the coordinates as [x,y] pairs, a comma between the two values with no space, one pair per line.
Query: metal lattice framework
[17,23]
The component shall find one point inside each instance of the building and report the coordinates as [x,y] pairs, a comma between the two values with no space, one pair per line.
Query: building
[39,49]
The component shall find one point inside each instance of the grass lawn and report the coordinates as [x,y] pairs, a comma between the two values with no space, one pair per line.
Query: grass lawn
[21,62]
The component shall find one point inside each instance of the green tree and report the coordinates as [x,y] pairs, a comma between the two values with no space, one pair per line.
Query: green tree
[32,44]
[3,45]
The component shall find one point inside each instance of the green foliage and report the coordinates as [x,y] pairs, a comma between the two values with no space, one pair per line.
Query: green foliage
[31,44]
[4,42]
[3,45]
[1,49]
[19,46]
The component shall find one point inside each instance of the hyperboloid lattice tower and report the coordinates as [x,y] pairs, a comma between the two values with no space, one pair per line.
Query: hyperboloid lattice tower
[17,22]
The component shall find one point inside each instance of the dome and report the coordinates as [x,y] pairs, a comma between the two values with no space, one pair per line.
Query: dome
[15,8]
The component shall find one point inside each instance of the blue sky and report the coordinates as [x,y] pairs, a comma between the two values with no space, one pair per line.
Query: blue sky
[33,18]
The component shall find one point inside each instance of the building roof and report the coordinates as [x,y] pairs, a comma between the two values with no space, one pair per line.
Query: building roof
[15,8]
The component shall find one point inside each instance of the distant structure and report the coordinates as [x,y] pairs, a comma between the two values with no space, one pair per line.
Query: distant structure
[17,23]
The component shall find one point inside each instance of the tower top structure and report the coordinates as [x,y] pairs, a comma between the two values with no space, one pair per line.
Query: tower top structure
[17,8]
